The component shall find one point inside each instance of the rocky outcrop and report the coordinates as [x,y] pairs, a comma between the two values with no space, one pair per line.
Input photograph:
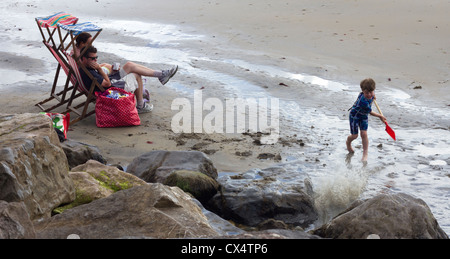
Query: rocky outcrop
[156,166]
[33,166]
[152,211]
[253,197]
[387,216]
[35,179]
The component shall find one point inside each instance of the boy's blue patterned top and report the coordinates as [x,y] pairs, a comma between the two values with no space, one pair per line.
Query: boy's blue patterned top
[362,107]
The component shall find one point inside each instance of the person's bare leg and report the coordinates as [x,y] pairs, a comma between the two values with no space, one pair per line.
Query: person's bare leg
[139,92]
[131,67]
[350,138]
[365,142]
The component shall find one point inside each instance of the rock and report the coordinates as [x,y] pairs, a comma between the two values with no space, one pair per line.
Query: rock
[15,221]
[156,166]
[273,234]
[78,153]
[386,216]
[149,211]
[94,180]
[201,186]
[220,225]
[255,196]
[272,224]
[33,166]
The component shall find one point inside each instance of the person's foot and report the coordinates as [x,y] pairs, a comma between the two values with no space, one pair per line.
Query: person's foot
[364,158]
[167,75]
[349,146]
[146,108]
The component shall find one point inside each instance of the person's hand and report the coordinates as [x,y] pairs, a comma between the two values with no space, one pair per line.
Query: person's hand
[93,64]
[383,119]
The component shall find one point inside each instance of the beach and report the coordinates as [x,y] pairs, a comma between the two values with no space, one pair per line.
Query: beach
[309,55]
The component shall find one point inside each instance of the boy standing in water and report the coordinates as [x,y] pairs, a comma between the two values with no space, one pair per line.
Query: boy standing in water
[359,116]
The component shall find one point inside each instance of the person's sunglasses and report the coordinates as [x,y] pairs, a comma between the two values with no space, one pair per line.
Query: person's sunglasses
[93,58]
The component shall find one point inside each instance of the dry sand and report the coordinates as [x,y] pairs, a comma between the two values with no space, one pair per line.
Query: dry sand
[401,43]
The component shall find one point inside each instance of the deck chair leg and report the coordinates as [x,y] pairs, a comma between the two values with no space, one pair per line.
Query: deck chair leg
[55,82]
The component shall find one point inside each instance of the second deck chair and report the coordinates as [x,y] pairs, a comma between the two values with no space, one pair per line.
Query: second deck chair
[76,65]
[62,96]
[49,25]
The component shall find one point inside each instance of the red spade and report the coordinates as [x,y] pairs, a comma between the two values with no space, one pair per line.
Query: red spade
[388,129]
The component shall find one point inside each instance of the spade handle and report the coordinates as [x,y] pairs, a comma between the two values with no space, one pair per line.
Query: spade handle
[378,107]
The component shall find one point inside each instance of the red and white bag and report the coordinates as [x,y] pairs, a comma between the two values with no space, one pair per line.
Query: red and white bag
[111,112]
[59,121]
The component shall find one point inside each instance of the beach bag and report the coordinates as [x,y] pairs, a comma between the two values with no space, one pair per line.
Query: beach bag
[60,123]
[116,108]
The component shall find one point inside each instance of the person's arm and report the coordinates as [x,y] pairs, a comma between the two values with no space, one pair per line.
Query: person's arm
[106,83]
[381,117]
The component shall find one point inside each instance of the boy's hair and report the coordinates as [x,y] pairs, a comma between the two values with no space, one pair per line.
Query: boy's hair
[368,84]
[90,49]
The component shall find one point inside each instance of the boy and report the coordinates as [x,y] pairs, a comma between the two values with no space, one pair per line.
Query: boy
[359,116]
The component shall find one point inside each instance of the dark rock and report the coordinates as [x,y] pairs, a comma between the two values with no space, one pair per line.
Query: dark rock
[258,195]
[388,216]
[78,153]
[156,166]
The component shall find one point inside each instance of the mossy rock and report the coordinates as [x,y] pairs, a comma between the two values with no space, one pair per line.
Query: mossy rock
[93,181]
[201,186]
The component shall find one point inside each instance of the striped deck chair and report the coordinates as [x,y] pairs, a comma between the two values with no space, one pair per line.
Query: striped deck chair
[51,22]
[75,29]
[50,25]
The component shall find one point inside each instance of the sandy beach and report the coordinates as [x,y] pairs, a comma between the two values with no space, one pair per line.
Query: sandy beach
[311,55]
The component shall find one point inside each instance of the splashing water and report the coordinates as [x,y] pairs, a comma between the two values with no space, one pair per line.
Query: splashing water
[336,190]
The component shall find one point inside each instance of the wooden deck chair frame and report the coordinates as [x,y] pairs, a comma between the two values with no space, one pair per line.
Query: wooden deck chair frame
[70,85]
[50,25]
[76,65]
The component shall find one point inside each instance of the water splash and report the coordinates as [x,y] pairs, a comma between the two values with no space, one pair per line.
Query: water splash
[335,191]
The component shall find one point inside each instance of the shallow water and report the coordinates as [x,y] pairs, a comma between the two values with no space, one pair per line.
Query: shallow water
[310,106]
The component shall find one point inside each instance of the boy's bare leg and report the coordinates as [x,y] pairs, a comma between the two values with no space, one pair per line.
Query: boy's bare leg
[349,142]
[365,142]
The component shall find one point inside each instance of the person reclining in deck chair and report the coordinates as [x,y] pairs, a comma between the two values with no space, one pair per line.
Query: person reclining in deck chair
[130,77]
[83,40]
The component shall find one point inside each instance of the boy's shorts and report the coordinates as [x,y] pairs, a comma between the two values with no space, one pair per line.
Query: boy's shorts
[358,122]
